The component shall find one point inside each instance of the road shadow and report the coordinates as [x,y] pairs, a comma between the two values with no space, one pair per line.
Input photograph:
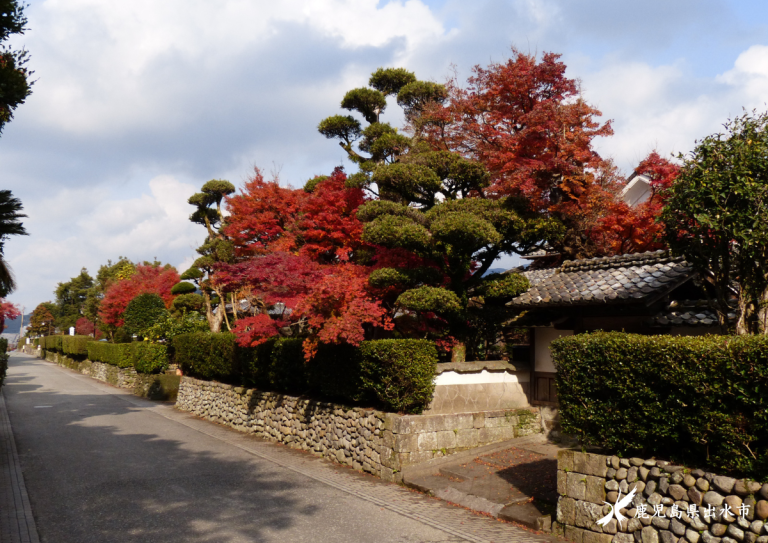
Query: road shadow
[97,469]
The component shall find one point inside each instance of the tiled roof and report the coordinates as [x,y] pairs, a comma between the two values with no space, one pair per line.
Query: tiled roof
[688,313]
[633,278]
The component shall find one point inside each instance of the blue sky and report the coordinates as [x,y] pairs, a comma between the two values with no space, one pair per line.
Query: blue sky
[137,104]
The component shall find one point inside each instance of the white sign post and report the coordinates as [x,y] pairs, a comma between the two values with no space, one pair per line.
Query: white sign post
[71,330]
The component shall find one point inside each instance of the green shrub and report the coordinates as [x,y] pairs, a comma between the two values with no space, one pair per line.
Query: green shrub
[183,288]
[117,354]
[334,372]
[149,357]
[399,372]
[698,400]
[396,374]
[287,368]
[52,343]
[142,312]
[3,359]
[253,365]
[208,356]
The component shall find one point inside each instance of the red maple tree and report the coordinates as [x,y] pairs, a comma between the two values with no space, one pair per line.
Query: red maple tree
[147,279]
[624,229]
[8,311]
[297,251]
[86,327]
[527,123]
[263,216]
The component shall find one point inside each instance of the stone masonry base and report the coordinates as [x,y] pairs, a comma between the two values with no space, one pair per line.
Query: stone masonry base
[365,439]
[671,504]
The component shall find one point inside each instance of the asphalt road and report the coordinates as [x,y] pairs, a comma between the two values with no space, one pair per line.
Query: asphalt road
[103,466]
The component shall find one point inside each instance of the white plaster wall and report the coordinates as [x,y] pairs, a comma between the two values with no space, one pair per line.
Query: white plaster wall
[475,378]
[543,337]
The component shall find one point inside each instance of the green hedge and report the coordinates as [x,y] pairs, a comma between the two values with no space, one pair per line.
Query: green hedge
[208,356]
[117,354]
[400,373]
[3,359]
[75,345]
[701,401]
[70,345]
[397,375]
[145,357]
[149,357]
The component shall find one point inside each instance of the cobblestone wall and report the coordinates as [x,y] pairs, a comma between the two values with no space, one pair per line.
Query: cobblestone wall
[671,504]
[365,439]
[156,387]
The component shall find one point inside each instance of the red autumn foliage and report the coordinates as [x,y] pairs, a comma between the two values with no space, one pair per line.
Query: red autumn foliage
[8,311]
[329,227]
[339,307]
[297,247]
[276,277]
[526,122]
[86,327]
[624,229]
[263,216]
[147,279]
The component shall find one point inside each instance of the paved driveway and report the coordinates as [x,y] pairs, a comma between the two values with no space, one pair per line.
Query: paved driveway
[101,465]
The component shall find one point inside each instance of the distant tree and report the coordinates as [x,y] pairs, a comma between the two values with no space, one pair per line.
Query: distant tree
[85,327]
[14,75]
[8,311]
[71,299]
[108,274]
[147,279]
[716,215]
[41,321]
[10,225]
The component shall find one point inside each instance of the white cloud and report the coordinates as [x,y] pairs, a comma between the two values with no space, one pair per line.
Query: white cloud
[150,225]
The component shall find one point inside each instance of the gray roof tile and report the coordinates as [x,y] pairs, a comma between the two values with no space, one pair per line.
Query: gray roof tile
[604,280]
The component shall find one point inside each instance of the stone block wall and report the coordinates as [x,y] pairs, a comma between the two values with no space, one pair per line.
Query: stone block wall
[156,387]
[671,504]
[365,439]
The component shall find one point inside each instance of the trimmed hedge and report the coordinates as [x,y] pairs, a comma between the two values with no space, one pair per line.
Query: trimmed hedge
[149,357]
[145,357]
[117,354]
[75,345]
[400,373]
[208,356]
[701,401]
[395,374]
[3,359]
[70,345]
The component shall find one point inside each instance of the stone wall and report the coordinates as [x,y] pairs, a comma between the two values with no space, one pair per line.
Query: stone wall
[154,387]
[671,504]
[365,439]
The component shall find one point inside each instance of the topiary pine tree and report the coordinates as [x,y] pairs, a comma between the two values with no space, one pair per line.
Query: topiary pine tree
[215,249]
[437,232]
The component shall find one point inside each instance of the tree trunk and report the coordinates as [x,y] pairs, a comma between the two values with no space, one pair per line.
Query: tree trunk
[214,318]
[742,325]
[762,312]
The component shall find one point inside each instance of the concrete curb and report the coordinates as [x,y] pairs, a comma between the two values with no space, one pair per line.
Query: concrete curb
[17,523]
